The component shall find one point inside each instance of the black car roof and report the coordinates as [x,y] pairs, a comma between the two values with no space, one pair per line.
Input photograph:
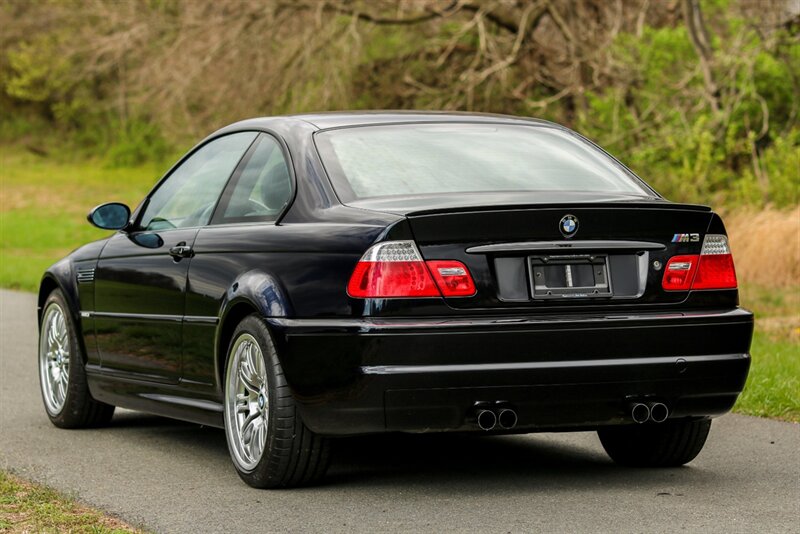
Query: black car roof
[340,119]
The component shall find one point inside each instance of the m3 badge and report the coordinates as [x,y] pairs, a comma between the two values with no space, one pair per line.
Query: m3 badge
[686,238]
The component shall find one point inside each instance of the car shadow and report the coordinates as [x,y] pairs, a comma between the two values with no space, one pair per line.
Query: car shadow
[457,461]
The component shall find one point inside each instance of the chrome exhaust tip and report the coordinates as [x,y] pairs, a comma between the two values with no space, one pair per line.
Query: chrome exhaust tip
[640,412]
[507,418]
[486,419]
[658,412]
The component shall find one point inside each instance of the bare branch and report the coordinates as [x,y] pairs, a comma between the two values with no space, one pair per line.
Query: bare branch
[699,37]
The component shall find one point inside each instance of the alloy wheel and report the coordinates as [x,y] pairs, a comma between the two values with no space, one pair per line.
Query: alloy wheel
[246,402]
[54,355]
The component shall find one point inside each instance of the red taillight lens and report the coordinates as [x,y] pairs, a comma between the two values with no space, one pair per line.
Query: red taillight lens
[679,273]
[391,279]
[712,269]
[395,269]
[452,277]
[715,272]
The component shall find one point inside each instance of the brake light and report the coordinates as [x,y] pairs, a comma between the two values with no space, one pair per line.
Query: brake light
[716,270]
[711,269]
[395,269]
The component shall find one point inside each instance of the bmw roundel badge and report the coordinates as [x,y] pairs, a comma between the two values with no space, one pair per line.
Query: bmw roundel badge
[568,225]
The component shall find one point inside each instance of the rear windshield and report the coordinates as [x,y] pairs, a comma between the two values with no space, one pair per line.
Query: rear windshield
[420,159]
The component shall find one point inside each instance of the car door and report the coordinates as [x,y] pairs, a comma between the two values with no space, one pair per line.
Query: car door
[242,238]
[140,279]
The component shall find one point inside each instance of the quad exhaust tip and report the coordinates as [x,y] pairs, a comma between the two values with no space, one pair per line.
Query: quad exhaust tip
[507,418]
[487,420]
[640,412]
[497,414]
[658,412]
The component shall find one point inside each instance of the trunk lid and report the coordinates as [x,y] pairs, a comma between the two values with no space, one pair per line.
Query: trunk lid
[525,257]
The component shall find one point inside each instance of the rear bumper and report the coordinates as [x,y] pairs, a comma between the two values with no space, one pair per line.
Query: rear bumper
[417,375]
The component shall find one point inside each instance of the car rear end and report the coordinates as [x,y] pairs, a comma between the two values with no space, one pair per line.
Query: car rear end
[526,311]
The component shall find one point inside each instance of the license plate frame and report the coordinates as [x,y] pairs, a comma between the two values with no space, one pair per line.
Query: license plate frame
[574,276]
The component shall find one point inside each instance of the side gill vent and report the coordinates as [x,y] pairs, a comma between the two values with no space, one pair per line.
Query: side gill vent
[86,276]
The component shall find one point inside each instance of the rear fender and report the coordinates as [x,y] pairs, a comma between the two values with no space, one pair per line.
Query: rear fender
[254,291]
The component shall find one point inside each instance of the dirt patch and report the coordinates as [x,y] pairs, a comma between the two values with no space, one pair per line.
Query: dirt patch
[26,196]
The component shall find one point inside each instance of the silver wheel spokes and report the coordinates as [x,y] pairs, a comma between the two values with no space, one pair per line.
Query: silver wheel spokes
[54,358]
[247,402]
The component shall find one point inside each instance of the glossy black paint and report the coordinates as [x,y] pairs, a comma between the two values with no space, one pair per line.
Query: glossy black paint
[156,324]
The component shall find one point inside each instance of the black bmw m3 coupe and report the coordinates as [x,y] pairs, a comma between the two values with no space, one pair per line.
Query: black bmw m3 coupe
[293,279]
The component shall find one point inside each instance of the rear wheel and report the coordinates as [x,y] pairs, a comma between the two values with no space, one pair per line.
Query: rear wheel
[669,444]
[62,376]
[269,444]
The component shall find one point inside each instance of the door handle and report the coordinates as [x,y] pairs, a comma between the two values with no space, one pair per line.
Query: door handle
[181,250]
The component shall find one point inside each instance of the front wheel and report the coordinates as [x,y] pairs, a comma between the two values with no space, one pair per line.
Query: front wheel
[62,376]
[268,442]
[669,444]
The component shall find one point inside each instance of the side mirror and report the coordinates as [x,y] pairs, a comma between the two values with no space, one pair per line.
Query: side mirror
[111,216]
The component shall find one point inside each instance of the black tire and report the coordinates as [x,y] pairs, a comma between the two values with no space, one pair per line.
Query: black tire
[79,409]
[293,455]
[669,444]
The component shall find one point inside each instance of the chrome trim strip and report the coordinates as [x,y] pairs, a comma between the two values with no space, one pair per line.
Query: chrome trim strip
[532,366]
[194,319]
[199,319]
[566,245]
[612,319]
[139,316]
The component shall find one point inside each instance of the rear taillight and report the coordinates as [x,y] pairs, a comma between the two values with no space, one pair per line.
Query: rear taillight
[711,269]
[679,273]
[395,269]
[452,277]
[716,269]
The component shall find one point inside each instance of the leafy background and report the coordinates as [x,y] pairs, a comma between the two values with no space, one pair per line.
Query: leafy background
[705,110]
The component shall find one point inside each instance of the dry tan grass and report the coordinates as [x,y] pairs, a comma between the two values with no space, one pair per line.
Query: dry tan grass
[766,246]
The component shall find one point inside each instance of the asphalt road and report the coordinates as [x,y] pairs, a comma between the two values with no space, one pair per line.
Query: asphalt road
[170,476]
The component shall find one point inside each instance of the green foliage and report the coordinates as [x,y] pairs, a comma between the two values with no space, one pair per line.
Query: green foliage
[65,103]
[131,81]
[39,73]
[659,120]
[138,142]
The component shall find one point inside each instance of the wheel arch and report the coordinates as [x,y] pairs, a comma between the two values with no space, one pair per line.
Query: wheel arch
[46,286]
[60,276]
[252,292]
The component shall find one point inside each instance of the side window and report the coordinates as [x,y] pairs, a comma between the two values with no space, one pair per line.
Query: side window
[261,189]
[188,196]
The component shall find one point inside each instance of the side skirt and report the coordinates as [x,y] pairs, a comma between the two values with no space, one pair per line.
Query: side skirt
[168,400]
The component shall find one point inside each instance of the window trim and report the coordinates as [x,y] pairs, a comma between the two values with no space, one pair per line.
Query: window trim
[218,215]
[136,226]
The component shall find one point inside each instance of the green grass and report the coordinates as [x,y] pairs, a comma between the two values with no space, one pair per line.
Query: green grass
[43,216]
[43,207]
[773,387]
[26,507]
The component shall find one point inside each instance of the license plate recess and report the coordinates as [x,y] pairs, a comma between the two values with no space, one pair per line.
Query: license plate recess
[569,276]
